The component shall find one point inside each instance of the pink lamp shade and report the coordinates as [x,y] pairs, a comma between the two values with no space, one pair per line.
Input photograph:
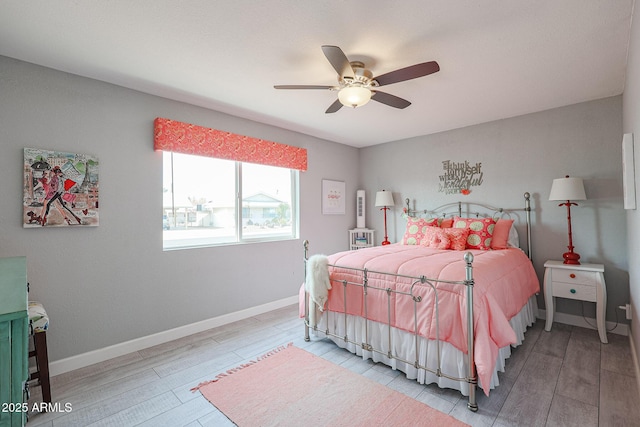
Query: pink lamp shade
[568,189]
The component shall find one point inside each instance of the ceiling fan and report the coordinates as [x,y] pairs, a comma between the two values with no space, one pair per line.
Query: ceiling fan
[356,85]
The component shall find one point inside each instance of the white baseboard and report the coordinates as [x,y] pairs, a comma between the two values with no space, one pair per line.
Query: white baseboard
[85,359]
[573,320]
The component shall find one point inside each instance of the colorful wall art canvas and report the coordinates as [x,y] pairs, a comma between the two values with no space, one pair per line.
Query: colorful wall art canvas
[60,189]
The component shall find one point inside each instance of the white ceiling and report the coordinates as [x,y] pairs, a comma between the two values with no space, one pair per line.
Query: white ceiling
[498,58]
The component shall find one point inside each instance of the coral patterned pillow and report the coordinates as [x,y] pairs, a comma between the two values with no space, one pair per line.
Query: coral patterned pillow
[457,237]
[415,230]
[480,231]
[435,237]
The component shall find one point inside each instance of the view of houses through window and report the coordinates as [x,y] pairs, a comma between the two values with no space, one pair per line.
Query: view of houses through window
[209,201]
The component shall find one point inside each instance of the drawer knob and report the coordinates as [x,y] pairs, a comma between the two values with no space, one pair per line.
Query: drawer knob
[573,276]
[573,291]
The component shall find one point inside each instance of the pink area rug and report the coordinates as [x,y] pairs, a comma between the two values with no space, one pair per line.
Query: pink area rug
[292,387]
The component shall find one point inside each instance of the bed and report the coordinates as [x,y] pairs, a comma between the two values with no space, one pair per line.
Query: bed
[440,315]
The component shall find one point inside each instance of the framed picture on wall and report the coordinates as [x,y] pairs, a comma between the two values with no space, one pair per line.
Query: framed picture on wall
[60,189]
[333,195]
[628,172]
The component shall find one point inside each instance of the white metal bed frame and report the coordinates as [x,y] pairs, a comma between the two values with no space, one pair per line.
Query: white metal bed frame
[471,377]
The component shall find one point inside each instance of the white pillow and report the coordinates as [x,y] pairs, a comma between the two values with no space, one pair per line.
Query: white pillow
[513,241]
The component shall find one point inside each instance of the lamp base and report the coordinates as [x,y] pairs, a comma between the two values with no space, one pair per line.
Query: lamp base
[386,242]
[571,258]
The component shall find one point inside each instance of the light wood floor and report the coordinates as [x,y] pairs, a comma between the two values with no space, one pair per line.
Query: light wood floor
[560,378]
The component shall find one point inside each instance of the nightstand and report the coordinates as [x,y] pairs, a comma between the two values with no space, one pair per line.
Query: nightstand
[584,282]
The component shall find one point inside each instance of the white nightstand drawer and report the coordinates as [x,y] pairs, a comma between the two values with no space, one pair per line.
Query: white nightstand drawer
[574,276]
[574,291]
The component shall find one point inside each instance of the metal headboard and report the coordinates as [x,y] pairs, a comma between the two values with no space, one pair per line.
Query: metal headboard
[472,208]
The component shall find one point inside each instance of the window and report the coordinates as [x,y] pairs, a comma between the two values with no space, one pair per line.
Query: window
[209,201]
[222,188]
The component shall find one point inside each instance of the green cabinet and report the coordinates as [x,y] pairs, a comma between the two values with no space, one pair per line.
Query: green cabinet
[14,334]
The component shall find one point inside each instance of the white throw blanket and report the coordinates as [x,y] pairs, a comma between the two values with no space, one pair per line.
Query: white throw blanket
[317,284]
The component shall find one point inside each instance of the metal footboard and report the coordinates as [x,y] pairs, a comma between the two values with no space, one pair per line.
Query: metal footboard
[471,377]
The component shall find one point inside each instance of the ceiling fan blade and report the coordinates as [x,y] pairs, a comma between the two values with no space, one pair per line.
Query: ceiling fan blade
[390,100]
[334,107]
[304,87]
[338,60]
[408,73]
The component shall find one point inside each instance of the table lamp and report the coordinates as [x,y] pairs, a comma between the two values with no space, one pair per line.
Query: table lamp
[384,199]
[568,189]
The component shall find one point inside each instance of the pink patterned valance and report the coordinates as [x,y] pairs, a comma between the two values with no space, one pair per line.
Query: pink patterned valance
[171,135]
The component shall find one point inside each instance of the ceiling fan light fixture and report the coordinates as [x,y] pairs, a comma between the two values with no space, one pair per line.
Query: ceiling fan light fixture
[357,85]
[354,96]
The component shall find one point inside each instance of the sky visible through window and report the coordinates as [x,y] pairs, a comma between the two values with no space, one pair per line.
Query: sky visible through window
[213,179]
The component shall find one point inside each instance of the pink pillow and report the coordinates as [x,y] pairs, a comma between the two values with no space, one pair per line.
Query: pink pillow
[480,231]
[435,237]
[501,234]
[415,230]
[457,237]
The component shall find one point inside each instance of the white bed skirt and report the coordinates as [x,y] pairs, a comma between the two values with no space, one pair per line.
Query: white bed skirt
[452,361]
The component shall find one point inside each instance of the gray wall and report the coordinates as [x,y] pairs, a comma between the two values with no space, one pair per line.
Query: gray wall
[113,283]
[525,154]
[631,124]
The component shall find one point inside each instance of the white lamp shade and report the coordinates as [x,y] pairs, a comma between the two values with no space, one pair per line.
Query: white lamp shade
[354,96]
[567,189]
[384,198]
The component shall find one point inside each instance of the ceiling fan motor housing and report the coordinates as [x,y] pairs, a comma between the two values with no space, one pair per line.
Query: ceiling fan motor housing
[362,76]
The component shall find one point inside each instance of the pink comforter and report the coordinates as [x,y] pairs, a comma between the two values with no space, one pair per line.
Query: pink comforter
[504,281]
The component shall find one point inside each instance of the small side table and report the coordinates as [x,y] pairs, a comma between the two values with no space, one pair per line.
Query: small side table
[361,238]
[584,282]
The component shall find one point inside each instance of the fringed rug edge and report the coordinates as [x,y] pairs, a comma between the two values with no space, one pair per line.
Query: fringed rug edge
[241,366]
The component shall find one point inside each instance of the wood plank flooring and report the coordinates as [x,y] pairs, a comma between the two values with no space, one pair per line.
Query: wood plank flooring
[565,377]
